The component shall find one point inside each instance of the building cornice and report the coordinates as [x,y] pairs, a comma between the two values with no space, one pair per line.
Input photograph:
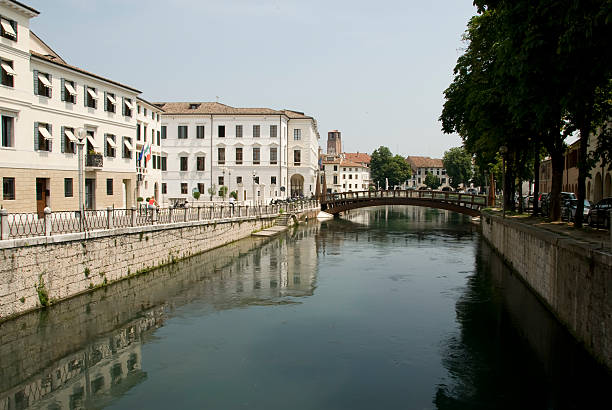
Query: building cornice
[20,7]
[86,118]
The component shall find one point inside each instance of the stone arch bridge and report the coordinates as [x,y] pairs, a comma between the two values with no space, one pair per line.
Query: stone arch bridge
[452,201]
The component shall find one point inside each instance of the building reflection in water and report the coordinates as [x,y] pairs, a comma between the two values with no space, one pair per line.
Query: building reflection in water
[87,350]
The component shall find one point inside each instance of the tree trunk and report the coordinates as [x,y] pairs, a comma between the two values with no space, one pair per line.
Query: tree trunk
[536,173]
[556,184]
[508,185]
[582,173]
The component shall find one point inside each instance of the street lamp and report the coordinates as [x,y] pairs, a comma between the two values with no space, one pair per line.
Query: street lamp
[503,150]
[81,135]
[254,176]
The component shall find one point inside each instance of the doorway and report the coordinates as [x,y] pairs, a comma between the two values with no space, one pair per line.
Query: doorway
[42,196]
[90,193]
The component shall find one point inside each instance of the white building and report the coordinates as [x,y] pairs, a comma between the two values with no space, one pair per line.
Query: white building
[343,175]
[421,166]
[43,101]
[148,151]
[212,145]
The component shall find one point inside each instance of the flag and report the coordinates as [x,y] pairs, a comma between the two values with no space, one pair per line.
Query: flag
[148,151]
[141,154]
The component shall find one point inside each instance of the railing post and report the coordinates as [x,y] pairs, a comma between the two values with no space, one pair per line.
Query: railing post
[185,215]
[133,216]
[154,215]
[4,224]
[170,215]
[198,212]
[48,221]
[110,223]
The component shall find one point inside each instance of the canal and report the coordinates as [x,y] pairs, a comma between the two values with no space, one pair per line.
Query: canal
[386,308]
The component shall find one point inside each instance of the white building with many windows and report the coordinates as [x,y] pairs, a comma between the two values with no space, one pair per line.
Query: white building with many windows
[343,175]
[148,152]
[43,101]
[421,166]
[209,145]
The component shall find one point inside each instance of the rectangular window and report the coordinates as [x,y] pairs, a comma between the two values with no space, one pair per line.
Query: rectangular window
[183,188]
[238,156]
[297,134]
[43,136]
[184,163]
[221,181]
[164,188]
[256,156]
[110,102]
[221,132]
[335,167]
[144,132]
[43,82]
[200,132]
[201,188]
[350,176]
[164,130]
[256,131]
[8,139]
[7,72]
[164,163]
[273,156]
[201,161]
[69,91]
[8,29]
[221,156]
[335,179]
[127,147]
[91,97]
[272,180]
[138,132]
[128,107]
[182,132]
[256,180]
[238,131]
[273,130]
[68,188]
[110,145]
[8,188]
[297,157]
[158,138]
[109,186]
[239,180]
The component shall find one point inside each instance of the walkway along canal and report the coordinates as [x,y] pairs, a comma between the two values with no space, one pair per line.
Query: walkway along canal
[390,307]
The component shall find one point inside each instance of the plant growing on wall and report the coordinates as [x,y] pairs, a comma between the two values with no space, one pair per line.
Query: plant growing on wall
[196,195]
[223,191]
[234,194]
[212,190]
[139,199]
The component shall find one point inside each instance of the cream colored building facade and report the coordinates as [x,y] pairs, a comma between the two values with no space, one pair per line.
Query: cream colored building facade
[343,175]
[148,151]
[43,101]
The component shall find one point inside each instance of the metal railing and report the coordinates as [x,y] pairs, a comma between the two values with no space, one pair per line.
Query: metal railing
[447,196]
[25,225]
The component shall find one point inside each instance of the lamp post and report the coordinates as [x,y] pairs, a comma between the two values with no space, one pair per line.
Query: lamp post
[254,176]
[503,150]
[81,134]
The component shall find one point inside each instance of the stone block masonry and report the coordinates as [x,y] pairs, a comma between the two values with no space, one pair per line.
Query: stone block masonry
[42,270]
[573,279]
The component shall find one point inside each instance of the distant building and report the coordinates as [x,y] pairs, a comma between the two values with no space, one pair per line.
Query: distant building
[421,166]
[344,175]
[334,142]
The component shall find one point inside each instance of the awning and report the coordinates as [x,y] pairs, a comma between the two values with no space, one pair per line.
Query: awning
[9,70]
[129,104]
[111,142]
[111,99]
[8,28]
[44,80]
[93,94]
[92,141]
[70,89]
[70,135]
[128,145]
[45,132]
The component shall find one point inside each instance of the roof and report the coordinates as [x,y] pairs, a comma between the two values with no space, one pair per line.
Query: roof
[53,60]
[223,109]
[348,163]
[45,46]
[360,157]
[20,4]
[150,104]
[424,162]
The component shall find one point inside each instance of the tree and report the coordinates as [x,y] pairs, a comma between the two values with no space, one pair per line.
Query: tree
[432,181]
[223,191]
[384,166]
[211,191]
[196,195]
[458,164]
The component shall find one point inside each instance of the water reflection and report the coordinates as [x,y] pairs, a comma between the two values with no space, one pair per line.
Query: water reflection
[86,352]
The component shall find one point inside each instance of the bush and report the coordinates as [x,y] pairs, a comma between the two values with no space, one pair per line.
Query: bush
[139,199]
[196,195]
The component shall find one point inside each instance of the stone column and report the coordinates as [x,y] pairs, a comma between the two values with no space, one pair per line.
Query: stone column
[133,216]
[4,226]
[110,221]
[48,221]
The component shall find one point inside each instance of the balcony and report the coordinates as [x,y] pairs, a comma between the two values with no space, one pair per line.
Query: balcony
[94,161]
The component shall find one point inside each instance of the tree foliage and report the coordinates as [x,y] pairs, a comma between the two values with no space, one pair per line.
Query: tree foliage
[458,164]
[432,181]
[384,165]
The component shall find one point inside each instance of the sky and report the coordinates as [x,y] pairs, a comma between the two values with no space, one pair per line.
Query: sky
[375,70]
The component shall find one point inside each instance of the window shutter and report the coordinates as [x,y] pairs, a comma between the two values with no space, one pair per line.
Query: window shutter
[105,101]
[123,105]
[84,95]
[63,93]
[50,128]
[50,88]
[35,82]
[105,145]
[63,137]
[35,136]
[74,84]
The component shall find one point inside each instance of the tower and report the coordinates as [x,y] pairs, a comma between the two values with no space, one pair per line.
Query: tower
[334,143]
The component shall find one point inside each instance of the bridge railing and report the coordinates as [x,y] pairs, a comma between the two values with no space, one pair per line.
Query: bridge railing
[446,196]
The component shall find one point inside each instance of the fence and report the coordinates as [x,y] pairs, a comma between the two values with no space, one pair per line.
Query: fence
[25,225]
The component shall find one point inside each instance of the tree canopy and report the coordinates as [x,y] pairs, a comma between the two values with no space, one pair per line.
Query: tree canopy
[458,164]
[384,165]
[432,181]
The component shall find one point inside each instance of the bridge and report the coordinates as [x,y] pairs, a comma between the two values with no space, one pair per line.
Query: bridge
[468,204]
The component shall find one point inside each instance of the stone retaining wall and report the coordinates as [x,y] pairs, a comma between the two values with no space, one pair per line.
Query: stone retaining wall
[570,277]
[61,266]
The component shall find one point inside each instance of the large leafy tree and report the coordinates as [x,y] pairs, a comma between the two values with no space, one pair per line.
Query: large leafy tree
[458,164]
[432,181]
[385,166]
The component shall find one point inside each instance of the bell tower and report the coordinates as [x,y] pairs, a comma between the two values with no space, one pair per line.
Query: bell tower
[334,143]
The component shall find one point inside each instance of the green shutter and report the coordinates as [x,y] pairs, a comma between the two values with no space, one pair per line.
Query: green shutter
[35,136]
[105,145]
[105,101]
[63,92]
[84,95]
[35,82]
[123,106]
[50,129]
[63,138]
[50,88]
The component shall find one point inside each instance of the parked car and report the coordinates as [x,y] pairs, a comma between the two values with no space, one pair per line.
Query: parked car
[568,211]
[447,189]
[599,214]
[472,191]
[528,202]
[545,201]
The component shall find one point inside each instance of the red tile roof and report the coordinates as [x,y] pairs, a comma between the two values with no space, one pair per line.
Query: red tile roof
[360,157]
[424,162]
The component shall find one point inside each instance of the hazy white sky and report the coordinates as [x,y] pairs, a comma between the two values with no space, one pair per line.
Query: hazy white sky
[375,70]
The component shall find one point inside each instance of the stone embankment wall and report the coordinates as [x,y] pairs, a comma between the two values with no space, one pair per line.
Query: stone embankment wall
[572,278]
[36,271]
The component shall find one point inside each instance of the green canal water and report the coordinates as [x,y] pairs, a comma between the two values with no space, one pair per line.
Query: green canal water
[386,308]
